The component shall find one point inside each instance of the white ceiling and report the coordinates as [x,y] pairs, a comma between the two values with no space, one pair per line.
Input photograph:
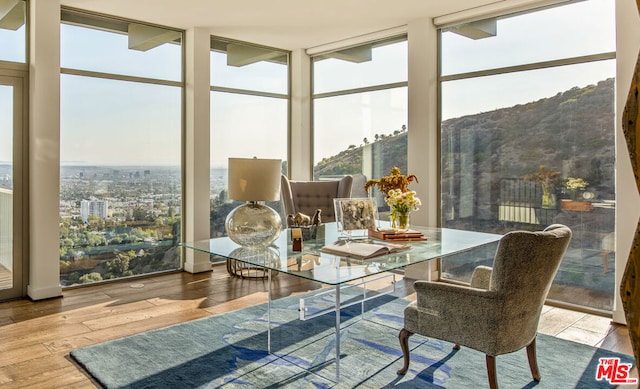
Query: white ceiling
[285,24]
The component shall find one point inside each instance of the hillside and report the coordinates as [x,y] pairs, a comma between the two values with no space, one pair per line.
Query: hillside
[571,131]
[392,148]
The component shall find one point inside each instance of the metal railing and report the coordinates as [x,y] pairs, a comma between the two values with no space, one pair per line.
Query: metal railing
[6,228]
[521,202]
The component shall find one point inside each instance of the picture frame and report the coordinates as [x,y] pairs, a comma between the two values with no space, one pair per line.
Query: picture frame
[354,214]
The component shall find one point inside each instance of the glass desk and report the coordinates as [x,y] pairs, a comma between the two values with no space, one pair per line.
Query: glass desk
[340,272]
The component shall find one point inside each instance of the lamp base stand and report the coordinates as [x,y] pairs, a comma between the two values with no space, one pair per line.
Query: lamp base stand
[253,225]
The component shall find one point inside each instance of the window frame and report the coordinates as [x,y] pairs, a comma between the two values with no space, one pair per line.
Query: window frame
[394,38]
[215,41]
[537,65]
[114,24]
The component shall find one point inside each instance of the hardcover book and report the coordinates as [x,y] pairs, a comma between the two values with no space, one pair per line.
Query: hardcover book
[394,235]
[363,249]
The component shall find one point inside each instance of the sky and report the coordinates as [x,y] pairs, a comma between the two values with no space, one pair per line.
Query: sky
[143,130]
[582,28]
[11,49]
[6,117]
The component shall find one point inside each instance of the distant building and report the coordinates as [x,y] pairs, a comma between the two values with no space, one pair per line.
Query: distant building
[95,207]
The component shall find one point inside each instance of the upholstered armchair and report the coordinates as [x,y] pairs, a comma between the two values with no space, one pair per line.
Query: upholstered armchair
[498,312]
[308,196]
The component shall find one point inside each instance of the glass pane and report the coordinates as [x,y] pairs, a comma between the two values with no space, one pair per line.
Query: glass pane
[363,134]
[88,48]
[13,41]
[580,28]
[343,71]
[500,131]
[6,135]
[6,187]
[120,189]
[495,92]
[243,126]
[243,66]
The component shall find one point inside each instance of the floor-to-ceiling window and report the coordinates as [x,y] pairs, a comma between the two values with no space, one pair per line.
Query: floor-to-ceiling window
[121,129]
[13,108]
[249,114]
[360,111]
[527,136]
[13,31]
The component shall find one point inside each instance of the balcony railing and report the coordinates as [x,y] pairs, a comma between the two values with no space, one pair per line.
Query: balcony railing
[521,202]
[6,228]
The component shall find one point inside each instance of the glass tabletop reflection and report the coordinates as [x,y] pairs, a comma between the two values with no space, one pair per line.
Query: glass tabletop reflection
[332,269]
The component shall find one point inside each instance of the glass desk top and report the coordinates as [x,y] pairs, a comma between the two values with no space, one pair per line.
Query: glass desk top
[334,269]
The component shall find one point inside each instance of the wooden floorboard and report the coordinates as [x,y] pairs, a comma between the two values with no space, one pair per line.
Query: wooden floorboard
[6,278]
[36,337]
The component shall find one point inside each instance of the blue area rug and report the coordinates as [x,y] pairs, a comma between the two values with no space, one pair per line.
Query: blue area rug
[230,351]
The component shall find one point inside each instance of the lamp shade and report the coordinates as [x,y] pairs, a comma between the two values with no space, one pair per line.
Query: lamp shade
[253,179]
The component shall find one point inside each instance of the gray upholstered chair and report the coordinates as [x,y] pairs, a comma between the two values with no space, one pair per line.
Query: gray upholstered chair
[308,196]
[498,312]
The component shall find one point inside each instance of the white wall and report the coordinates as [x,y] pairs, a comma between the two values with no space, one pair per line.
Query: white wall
[628,200]
[423,118]
[196,149]
[300,143]
[44,150]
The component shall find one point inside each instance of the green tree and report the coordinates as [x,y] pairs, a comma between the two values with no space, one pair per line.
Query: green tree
[90,277]
[118,266]
[139,214]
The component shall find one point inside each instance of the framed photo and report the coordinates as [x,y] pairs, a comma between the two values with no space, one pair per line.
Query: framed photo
[356,213]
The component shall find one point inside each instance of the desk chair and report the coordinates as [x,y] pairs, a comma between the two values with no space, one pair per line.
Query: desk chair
[498,312]
[308,196]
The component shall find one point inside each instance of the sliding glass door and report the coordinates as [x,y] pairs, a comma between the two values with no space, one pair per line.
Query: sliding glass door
[11,198]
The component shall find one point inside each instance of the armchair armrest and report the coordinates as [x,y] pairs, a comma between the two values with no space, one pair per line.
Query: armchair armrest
[432,293]
[455,303]
[481,277]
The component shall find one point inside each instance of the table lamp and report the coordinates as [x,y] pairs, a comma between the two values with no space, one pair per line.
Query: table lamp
[253,180]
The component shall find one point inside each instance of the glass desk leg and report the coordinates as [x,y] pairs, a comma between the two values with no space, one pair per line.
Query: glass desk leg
[337,329]
[269,312]
[337,333]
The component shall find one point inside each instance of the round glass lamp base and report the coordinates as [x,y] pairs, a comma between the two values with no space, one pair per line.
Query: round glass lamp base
[253,225]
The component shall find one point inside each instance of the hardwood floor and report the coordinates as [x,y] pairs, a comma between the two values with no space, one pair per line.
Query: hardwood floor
[36,337]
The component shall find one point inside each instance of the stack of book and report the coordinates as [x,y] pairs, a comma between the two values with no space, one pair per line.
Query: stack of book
[393,235]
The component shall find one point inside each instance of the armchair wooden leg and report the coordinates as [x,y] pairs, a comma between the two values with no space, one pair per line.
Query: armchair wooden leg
[533,361]
[403,336]
[491,372]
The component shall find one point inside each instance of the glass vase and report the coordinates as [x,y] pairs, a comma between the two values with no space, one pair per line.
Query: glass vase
[400,220]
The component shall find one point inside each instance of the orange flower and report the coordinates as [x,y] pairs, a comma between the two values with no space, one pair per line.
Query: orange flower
[395,180]
[542,176]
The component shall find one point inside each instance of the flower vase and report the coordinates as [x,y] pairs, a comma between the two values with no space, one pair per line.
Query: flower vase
[400,220]
[548,199]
